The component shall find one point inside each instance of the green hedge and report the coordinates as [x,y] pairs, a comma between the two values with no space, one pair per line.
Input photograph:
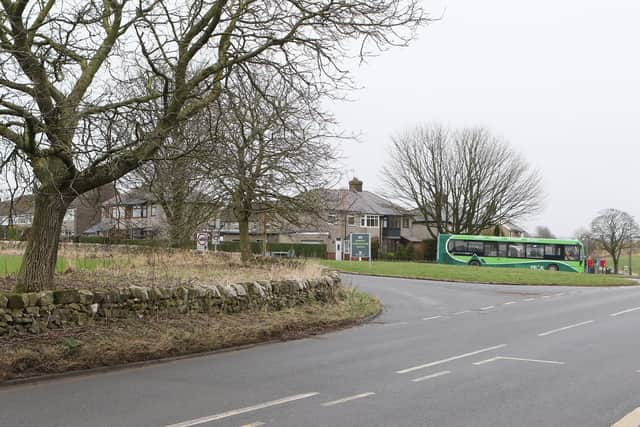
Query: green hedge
[299,250]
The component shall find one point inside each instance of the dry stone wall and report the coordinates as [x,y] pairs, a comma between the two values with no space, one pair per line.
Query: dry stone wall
[34,313]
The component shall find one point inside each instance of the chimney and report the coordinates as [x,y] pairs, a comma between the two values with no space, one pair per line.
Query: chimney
[355,185]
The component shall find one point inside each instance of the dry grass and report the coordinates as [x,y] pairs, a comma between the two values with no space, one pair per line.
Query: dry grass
[102,266]
[126,341]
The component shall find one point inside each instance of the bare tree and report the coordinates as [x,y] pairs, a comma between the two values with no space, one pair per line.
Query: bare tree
[270,150]
[612,229]
[544,232]
[463,181]
[70,70]
[179,181]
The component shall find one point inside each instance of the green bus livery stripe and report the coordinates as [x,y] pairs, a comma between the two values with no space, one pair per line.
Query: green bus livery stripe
[465,260]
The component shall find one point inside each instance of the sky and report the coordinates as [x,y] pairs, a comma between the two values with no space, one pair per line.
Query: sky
[559,80]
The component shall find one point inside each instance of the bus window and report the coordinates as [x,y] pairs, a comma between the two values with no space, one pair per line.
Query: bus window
[490,249]
[572,253]
[553,252]
[458,247]
[535,251]
[516,250]
[476,248]
[502,250]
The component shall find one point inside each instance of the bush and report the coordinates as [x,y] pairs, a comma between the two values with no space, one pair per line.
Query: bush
[297,249]
[430,249]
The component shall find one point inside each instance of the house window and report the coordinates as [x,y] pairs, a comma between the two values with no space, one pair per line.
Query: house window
[351,220]
[117,212]
[24,219]
[370,221]
[332,218]
[70,215]
[139,211]
[405,222]
[154,210]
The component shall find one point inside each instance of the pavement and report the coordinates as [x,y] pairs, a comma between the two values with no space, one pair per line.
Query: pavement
[441,354]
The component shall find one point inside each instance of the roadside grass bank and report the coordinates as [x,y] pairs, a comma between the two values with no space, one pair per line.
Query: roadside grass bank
[123,341]
[491,275]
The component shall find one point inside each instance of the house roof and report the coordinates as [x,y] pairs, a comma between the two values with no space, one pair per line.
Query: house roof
[364,202]
[99,227]
[21,205]
[135,196]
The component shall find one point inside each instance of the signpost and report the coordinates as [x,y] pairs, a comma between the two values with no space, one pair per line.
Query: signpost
[202,242]
[216,241]
[361,246]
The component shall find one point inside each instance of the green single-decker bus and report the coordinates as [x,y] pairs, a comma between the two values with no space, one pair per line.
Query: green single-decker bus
[519,252]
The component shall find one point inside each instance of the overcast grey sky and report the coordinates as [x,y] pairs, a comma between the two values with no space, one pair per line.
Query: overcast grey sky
[560,80]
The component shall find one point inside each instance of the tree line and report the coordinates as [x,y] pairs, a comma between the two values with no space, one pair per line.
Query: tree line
[93,90]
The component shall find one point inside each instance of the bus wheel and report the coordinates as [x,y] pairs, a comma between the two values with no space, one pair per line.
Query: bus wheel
[552,267]
[474,263]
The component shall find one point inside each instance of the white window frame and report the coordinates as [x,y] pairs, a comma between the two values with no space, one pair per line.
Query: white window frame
[332,218]
[370,221]
[351,220]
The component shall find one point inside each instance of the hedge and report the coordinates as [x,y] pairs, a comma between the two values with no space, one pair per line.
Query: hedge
[299,249]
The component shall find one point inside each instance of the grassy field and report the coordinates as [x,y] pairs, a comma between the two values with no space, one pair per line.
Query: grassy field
[624,261]
[10,264]
[99,266]
[516,276]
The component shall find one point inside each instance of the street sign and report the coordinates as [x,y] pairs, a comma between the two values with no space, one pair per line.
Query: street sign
[202,241]
[360,245]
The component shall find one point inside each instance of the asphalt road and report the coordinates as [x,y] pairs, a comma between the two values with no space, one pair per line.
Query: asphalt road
[441,354]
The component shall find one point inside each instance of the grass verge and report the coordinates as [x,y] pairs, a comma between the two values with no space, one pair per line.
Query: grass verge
[452,273]
[126,341]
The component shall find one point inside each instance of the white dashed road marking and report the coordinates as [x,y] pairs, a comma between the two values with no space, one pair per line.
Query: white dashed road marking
[520,359]
[529,299]
[256,424]
[348,399]
[575,325]
[461,312]
[431,318]
[510,302]
[428,377]
[489,307]
[228,414]
[440,362]
[625,311]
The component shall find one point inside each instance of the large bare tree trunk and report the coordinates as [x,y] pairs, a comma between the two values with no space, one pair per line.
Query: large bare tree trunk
[40,256]
[245,247]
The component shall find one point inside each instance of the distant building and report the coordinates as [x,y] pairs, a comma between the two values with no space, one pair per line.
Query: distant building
[84,212]
[133,214]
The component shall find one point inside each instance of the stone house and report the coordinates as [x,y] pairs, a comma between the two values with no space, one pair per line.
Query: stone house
[84,212]
[132,214]
[353,210]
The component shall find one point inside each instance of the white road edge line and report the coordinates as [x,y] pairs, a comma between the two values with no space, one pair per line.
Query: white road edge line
[428,377]
[625,311]
[489,307]
[256,424]
[520,359]
[575,325]
[431,318]
[632,419]
[348,399]
[231,413]
[510,302]
[440,362]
